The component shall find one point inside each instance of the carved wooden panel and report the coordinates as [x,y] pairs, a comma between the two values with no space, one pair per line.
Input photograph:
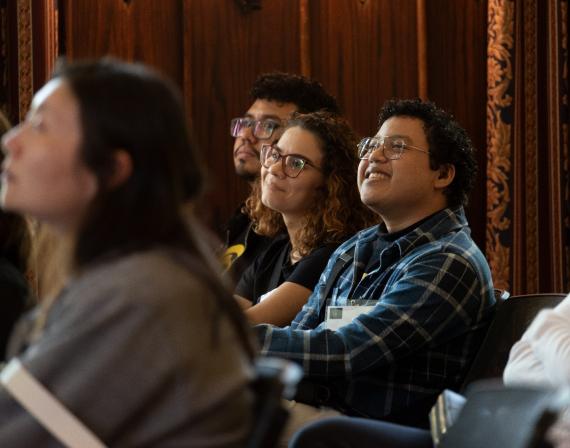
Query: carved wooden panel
[457,63]
[141,30]
[224,51]
[365,52]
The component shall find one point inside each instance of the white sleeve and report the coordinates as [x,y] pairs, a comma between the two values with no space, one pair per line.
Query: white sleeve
[542,356]
[523,368]
[549,336]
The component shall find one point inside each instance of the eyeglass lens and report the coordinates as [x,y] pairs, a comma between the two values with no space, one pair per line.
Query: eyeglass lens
[392,149]
[291,165]
[261,129]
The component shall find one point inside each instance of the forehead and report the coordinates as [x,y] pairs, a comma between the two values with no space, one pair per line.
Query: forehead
[402,126]
[57,99]
[262,109]
[297,140]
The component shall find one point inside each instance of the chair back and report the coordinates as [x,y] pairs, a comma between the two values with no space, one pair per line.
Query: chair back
[498,417]
[275,379]
[512,318]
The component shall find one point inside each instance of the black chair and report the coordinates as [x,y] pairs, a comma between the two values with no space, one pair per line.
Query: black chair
[275,379]
[512,318]
[495,416]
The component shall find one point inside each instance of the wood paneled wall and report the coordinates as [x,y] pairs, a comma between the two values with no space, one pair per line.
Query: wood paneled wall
[363,51]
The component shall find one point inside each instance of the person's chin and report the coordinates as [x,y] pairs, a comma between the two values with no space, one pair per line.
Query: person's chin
[248,175]
[369,200]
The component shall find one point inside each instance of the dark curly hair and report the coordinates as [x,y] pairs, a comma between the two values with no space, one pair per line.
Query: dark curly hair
[307,94]
[338,212]
[448,143]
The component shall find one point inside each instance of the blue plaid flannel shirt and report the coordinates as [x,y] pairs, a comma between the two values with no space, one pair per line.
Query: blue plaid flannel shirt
[433,298]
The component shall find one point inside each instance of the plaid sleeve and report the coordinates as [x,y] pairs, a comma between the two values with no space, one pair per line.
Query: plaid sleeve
[431,299]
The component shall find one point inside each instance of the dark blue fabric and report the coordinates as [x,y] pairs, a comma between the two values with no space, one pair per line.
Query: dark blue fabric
[346,432]
[433,298]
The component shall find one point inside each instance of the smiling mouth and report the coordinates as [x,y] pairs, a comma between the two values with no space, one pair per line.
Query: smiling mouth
[375,175]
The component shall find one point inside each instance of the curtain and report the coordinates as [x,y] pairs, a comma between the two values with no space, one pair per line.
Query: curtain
[528,172]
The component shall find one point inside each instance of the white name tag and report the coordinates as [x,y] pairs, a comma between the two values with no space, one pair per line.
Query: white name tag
[339,316]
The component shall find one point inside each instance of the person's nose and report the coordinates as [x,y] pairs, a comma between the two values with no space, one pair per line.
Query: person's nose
[10,140]
[276,168]
[377,155]
[247,134]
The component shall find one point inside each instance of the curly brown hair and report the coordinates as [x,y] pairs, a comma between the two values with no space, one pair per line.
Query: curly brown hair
[337,212]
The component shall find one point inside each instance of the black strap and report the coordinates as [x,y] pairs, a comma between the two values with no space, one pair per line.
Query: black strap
[341,262]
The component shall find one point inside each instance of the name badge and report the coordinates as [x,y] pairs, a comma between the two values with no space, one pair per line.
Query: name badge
[339,316]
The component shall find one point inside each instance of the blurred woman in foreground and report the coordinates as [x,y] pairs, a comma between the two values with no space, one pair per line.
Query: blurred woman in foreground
[143,345]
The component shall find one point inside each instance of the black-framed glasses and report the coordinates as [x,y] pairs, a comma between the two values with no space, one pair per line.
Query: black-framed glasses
[261,129]
[392,147]
[291,164]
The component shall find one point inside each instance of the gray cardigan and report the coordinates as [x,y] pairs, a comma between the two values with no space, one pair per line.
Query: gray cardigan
[137,350]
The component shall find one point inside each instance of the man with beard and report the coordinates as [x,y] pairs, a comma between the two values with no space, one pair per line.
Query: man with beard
[276,96]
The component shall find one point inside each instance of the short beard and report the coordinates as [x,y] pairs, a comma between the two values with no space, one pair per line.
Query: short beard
[247,175]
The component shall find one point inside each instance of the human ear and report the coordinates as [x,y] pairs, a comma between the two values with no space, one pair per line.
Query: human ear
[122,169]
[445,175]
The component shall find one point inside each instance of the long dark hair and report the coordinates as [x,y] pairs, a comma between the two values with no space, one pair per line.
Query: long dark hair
[14,232]
[129,107]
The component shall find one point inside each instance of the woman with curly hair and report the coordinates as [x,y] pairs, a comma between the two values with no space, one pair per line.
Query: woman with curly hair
[308,201]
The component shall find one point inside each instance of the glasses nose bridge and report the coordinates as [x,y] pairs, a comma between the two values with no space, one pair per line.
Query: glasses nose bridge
[378,149]
[248,130]
[277,166]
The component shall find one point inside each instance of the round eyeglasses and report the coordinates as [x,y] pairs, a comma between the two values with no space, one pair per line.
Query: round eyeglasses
[261,129]
[392,147]
[291,164]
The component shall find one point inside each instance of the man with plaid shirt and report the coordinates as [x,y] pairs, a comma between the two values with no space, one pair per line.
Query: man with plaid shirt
[401,308]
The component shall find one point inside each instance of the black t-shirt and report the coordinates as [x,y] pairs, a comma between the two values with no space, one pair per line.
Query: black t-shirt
[259,278]
[243,245]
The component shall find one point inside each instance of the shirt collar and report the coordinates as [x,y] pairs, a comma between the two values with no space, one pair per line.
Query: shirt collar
[430,228]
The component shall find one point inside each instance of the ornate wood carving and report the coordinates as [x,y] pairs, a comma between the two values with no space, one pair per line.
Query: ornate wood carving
[25,60]
[499,78]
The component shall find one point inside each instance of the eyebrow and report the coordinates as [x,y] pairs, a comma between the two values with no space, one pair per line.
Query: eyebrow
[306,159]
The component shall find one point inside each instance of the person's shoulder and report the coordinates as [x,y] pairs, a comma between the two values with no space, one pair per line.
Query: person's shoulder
[325,250]
[273,249]
[143,276]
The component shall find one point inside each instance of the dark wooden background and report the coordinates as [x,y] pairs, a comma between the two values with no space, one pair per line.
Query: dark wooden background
[363,51]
